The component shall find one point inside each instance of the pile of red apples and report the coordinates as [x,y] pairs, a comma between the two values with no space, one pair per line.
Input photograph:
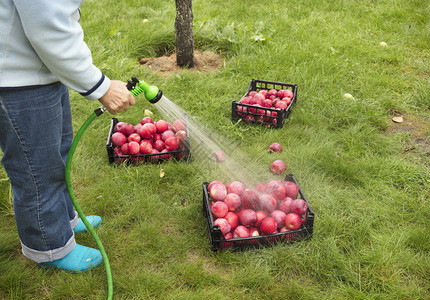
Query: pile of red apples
[267,208]
[150,140]
[273,99]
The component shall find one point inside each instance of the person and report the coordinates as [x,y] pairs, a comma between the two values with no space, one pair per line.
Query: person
[42,56]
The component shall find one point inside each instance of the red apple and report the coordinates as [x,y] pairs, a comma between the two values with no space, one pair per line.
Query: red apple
[167,134]
[261,188]
[126,128]
[118,139]
[281,105]
[275,147]
[211,184]
[232,219]
[153,157]
[273,92]
[137,128]
[223,225]
[233,201]
[285,205]
[171,144]
[249,199]
[254,231]
[219,156]
[267,203]
[279,216]
[236,187]
[145,147]
[288,93]
[252,93]
[161,126]
[279,192]
[264,93]
[247,217]
[181,135]
[118,126]
[133,148]
[260,216]
[299,206]
[178,125]
[134,137]
[278,167]
[291,188]
[167,156]
[219,210]
[268,225]
[159,145]
[228,235]
[124,148]
[241,232]
[218,192]
[146,120]
[148,130]
[157,137]
[267,103]
[292,221]
[280,94]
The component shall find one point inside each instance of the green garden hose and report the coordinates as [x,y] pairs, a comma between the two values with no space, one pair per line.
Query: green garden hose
[136,87]
[81,131]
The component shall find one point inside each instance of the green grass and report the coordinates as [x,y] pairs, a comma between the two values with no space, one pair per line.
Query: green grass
[370,196]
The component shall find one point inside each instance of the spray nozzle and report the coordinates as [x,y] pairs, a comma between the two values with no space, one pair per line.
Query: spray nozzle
[136,87]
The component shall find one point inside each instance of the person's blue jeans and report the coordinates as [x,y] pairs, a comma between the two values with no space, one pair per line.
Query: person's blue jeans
[35,136]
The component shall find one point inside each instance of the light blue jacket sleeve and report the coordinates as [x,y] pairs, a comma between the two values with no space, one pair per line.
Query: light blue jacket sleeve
[53,30]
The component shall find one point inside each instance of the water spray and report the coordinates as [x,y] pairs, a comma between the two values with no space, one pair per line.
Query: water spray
[136,87]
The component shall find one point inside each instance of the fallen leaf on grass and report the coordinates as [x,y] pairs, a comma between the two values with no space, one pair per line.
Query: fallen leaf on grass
[162,173]
[398,119]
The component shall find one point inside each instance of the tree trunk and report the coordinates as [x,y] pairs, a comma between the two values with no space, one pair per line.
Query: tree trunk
[184,38]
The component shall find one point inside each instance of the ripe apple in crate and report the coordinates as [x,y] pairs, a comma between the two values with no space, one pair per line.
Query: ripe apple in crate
[232,219]
[233,201]
[267,203]
[247,217]
[299,206]
[236,187]
[223,224]
[291,189]
[268,225]
[285,205]
[253,231]
[241,232]
[292,221]
[146,120]
[148,131]
[218,192]
[118,139]
[279,216]
[249,199]
[260,216]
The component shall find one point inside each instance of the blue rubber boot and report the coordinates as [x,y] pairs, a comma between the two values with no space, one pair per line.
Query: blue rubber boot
[79,260]
[95,222]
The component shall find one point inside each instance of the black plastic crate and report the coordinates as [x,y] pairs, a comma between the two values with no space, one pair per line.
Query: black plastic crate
[263,115]
[218,242]
[180,154]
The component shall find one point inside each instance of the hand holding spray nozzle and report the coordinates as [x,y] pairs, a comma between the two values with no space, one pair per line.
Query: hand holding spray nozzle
[152,93]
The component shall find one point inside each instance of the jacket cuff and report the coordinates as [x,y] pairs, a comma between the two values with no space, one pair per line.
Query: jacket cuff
[98,90]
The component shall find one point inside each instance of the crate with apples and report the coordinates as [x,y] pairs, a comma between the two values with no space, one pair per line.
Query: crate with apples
[266,102]
[240,218]
[147,141]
